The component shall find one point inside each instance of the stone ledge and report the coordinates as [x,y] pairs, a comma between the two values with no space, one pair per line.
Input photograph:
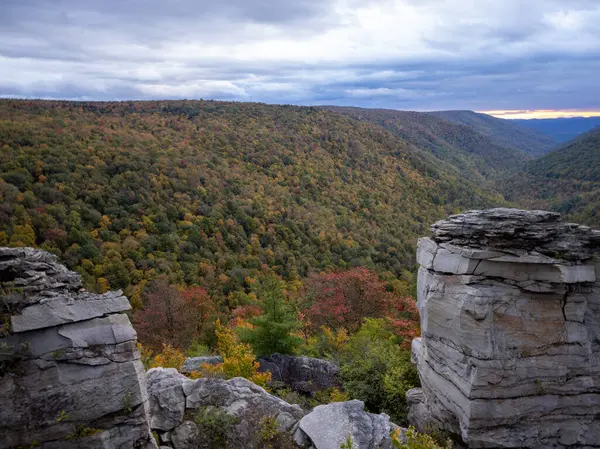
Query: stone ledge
[68,309]
[528,267]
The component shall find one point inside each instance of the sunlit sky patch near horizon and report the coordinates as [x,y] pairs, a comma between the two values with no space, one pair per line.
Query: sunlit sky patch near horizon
[400,54]
[543,114]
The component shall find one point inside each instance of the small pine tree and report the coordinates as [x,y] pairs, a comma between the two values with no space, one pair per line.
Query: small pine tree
[272,331]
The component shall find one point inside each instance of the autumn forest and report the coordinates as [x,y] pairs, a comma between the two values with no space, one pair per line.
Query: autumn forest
[292,227]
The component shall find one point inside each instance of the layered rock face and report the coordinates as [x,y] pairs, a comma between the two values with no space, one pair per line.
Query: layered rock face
[70,374]
[510,315]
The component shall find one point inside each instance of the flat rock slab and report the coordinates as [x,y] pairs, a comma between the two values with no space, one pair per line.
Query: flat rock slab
[192,364]
[68,309]
[530,230]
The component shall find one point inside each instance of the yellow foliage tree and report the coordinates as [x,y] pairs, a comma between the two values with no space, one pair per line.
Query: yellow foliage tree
[336,339]
[146,355]
[238,358]
[103,285]
[136,298]
[105,222]
[169,357]
[23,236]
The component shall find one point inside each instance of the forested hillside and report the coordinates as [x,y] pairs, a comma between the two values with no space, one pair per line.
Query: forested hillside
[505,133]
[566,180]
[214,194]
[475,156]
[561,129]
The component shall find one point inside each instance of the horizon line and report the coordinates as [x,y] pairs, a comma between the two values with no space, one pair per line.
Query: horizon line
[508,114]
[528,114]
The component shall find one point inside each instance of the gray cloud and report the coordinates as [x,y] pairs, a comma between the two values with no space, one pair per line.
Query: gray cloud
[149,12]
[426,54]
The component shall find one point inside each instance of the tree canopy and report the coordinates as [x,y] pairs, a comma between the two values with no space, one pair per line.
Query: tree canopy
[216,194]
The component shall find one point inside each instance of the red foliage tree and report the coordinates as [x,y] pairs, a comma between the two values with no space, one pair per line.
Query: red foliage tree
[403,317]
[171,315]
[343,299]
[244,313]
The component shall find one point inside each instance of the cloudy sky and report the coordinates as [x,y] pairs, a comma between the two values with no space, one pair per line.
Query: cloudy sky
[403,54]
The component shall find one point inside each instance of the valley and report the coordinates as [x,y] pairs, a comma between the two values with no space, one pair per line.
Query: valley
[240,230]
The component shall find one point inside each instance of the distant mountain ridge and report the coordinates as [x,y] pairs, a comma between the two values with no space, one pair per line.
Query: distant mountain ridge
[577,160]
[561,129]
[475,155]
[566,180]
[499,155]
[502,132]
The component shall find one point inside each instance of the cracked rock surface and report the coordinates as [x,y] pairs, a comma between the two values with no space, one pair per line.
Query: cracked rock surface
[176,402]
[509,354]
[70,374]
[328,426]
[177,405]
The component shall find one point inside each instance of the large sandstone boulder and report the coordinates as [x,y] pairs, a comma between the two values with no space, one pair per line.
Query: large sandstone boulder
[510,316]
[177,403]
[332,425]
[70,374]
[303,374]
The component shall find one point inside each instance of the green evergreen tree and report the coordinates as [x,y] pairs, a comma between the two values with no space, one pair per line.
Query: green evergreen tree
[272,331]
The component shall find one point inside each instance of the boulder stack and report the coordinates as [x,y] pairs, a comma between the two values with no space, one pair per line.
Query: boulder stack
[70,374]
[510,316]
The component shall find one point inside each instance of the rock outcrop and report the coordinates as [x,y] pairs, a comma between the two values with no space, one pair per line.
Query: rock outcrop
[184,413]
[178,405]
[71,377]
[303,374]
[70,374]
[510,316]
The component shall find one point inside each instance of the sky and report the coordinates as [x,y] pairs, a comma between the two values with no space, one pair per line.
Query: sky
[486,55]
